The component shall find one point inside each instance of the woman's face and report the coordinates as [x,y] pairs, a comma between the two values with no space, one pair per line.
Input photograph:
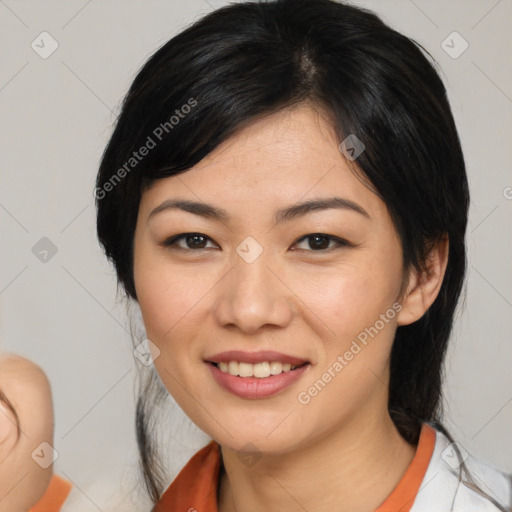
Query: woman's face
[254,281]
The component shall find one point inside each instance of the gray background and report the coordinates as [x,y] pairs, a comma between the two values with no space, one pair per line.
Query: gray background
[57,115]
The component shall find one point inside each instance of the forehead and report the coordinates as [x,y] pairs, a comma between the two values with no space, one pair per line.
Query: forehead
[288,140]
[277,160]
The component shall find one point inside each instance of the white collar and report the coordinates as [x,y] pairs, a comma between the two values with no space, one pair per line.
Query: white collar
[442,489]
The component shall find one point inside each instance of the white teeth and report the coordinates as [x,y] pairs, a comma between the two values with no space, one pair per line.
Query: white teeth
[245,369]
[275,368]
[233,368]
[259,370]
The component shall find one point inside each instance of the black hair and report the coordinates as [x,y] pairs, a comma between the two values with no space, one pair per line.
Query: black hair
[253,59]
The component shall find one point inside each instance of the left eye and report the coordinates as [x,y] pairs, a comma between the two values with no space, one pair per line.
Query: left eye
[320,242]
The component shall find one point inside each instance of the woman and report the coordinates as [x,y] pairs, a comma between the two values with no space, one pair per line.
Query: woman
[285,197]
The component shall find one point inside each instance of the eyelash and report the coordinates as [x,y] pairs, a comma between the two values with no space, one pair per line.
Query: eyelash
[172,242]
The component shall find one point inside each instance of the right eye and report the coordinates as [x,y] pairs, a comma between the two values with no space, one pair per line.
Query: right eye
[192,241]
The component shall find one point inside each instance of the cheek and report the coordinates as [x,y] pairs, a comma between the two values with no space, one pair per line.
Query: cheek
[357,305]
[167,299]
[165,292]
[164,299]
[352,297]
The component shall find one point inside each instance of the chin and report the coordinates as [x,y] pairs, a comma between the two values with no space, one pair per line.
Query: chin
[257,438]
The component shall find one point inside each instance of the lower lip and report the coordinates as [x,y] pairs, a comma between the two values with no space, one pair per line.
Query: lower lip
[254,387]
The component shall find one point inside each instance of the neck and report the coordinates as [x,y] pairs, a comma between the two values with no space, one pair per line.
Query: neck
[355,468]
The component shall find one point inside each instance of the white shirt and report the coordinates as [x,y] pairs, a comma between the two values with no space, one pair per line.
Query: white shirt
[443,488]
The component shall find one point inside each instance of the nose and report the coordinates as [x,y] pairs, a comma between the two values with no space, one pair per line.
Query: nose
[252,295]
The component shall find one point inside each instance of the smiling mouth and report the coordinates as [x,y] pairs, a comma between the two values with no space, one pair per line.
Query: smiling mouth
[259,370]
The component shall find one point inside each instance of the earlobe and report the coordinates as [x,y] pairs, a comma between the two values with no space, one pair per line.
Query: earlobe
[423,286]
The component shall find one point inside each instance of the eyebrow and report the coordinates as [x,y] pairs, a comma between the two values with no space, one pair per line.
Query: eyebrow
[286,214]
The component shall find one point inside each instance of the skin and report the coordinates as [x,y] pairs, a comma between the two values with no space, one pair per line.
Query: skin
[22,481]
[340,451]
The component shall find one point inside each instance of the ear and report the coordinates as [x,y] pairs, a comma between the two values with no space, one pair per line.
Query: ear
[423,286]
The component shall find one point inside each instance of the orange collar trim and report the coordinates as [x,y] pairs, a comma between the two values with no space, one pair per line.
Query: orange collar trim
[403,496]
[196,485]
[54,497]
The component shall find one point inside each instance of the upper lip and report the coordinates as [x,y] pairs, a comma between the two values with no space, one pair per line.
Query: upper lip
[255,357]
